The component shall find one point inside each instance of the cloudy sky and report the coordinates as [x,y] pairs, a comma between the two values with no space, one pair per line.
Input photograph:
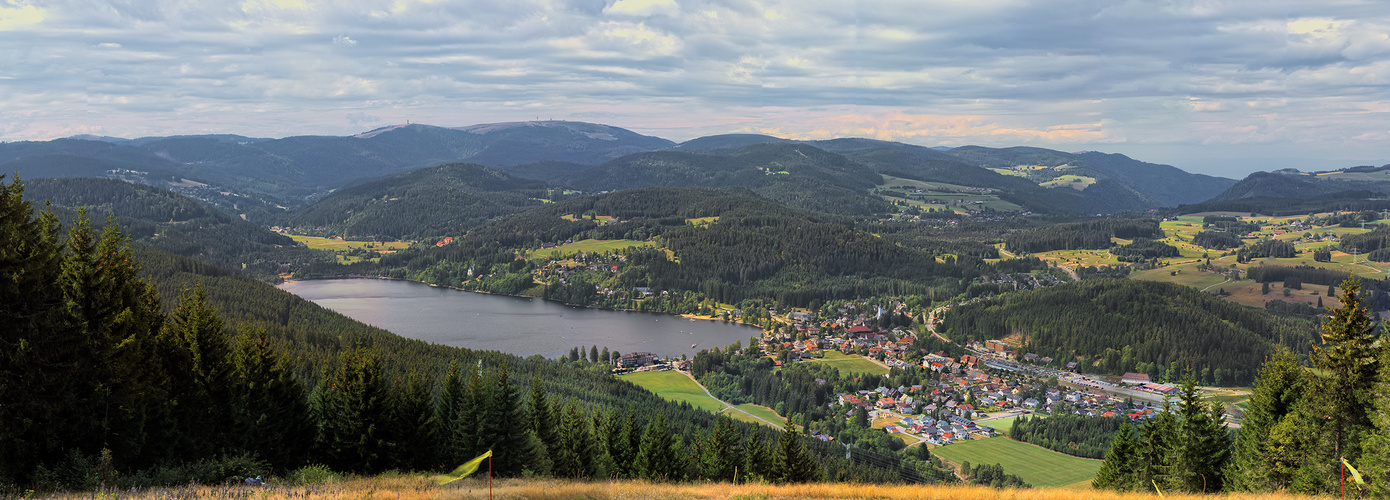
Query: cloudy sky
[1223,87]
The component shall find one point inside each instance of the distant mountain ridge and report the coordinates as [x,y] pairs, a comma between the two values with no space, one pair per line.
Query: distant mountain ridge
[1289,191]
[296,171]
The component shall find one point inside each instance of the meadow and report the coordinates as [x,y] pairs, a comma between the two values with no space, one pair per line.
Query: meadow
[760,411]
[675,386]
[423,487]
[1038,466]
[850,363]
[341,248]
[587,246]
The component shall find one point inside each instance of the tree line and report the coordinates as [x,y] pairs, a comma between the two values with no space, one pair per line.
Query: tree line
[1304,431]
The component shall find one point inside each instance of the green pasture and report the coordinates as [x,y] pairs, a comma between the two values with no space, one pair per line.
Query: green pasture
[587,246]
[853,364]
[674,386]
[1040,467]
[759,410]
[340,247]
[1077,182]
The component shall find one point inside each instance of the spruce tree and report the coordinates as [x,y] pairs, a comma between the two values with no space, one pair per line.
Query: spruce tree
[574,458]
[500,426]
[757,458]
[791,463]
[355,413]
[204,376]
[1375,460]
[657,457]
[446,452]
[1203,447]
[1262,461]
[1120,470]
[413,418]
[272,418]
[719,452]
[1158,437]
[1335,416]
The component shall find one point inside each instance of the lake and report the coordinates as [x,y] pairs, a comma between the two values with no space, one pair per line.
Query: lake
[516,325]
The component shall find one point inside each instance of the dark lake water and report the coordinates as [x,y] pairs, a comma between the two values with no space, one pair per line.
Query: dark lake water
[514,325]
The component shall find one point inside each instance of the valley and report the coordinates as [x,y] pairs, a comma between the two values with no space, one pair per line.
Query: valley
[930,290]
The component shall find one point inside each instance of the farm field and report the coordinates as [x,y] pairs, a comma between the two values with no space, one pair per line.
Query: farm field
[850,363]
[587,246]
[1040,467]
[674,386]
[342,248]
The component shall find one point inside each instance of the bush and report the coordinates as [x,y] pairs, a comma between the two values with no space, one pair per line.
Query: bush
[312,474]
[228,469]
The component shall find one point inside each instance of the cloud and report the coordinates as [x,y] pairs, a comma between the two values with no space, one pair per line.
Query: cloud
[990,72]
[642,7]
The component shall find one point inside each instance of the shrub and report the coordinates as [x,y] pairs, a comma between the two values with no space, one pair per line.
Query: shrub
[312,474]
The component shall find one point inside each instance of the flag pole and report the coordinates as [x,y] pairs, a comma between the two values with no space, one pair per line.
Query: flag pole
[489,474]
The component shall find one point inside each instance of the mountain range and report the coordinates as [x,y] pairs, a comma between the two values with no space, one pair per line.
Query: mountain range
[346,184]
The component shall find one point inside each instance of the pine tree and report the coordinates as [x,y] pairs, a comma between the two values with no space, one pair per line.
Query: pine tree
[791,463]
[593,354]
[446,412]
[1262,459]
[1375,460]
[1203,448]
[1120,470]
[1335,414]
[500,426]
[657,457]
[574,458]
[719,453]
[605,356]
[757,459]
[1158,437]
[204,376]
[412,416]
[542,424]
[272,418]
[355,411]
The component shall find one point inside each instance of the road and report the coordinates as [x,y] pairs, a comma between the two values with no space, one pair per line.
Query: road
[727,406]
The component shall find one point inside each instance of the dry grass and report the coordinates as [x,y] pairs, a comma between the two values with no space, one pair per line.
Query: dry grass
[415,487]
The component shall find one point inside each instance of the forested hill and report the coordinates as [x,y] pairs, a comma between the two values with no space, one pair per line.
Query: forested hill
[1290,192]
[244,370]
[433,201]
[1117,326]
[755,248]
[170,222]
[798,175]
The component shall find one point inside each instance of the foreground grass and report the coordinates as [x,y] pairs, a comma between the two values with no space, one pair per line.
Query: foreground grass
[1038,466]
[675,386]
[419,487]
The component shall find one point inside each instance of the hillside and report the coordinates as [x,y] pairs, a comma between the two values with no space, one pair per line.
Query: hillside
[433,201]
[173,223]
[800,176]
[1116,326]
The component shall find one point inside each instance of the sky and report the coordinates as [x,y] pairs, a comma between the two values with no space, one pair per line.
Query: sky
[1210,86]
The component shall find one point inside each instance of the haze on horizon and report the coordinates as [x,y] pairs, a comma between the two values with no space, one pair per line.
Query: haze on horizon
[1210,86]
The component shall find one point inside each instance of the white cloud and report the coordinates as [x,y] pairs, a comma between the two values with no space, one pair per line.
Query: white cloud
[642,7]
[343,41]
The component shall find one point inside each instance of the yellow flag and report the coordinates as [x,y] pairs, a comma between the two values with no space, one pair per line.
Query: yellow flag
[464,470]
[1354,474]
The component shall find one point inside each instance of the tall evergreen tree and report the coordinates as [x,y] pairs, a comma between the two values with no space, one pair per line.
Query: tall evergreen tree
[272,418]
[1158,437]
[1203,448]
[1263,458]
[1120,470]
[791,463]
[757,458]
[574,456]
[657,458]
[355,411]
[541,420]
[1375,460]
[500,426]
[719,451]
[205,394]
[1335,415]
[446,409]
[413,418]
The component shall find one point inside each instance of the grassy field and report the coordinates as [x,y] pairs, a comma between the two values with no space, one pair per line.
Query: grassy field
[424,487]
[1040,467]
[341,247]
[674,386]
[761,411]
[942,200]
[587,246]
[1003,425]
[851,363]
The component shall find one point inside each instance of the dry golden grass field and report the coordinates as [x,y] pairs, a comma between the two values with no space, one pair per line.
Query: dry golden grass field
[418,487]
